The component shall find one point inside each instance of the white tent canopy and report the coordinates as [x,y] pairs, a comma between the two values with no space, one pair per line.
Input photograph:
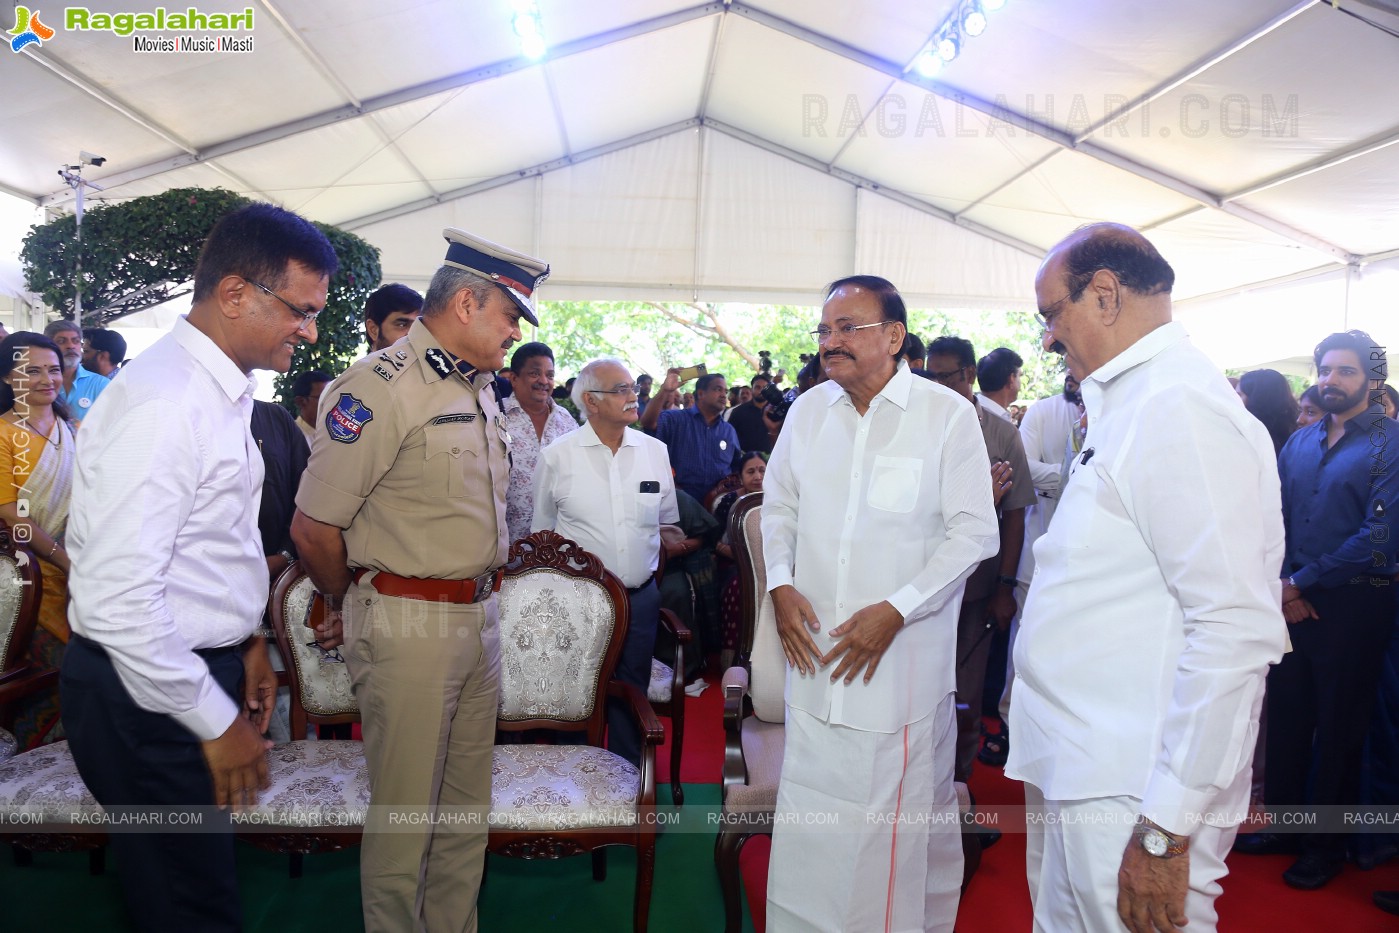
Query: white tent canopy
[731,151]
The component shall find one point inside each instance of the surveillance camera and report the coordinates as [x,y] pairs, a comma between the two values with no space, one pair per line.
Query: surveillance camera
[90,159]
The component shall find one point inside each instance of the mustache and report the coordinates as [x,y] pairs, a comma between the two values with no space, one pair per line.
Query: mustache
[1057,347]
[834,353]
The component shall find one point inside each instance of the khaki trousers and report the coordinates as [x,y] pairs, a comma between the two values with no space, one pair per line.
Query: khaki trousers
[426,676]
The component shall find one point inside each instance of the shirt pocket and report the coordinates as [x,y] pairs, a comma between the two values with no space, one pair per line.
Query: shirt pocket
[894,483]
[648,509]
[449,453]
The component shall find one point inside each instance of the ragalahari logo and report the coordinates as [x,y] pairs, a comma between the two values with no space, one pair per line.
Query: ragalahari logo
[28,30]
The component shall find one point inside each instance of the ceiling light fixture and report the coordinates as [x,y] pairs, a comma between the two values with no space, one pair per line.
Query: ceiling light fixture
[529,27]
[966,21]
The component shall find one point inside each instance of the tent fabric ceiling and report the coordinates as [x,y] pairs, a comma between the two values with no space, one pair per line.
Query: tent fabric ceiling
[751,151]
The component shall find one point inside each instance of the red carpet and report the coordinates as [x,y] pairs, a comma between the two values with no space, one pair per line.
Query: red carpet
[1254,899]
[702,761]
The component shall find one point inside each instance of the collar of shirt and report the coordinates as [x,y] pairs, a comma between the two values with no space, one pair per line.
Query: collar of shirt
[994,407]
[895,390]
[1147,348]
[588,437]
[231,380]
[437,363]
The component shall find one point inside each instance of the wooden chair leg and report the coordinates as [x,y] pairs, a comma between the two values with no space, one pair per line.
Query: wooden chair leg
[677,745]
[645,874]
[97,861]
[727,846]
[600,864]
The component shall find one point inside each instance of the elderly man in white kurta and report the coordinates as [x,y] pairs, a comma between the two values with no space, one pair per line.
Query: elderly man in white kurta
[1154,612]
[876,509]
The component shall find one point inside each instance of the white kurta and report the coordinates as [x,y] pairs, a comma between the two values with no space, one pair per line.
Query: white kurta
[1155,608]
[896,506]
[893,505]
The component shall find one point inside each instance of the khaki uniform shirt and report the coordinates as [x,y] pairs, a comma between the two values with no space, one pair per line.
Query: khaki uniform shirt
[1002,443]
[410,457]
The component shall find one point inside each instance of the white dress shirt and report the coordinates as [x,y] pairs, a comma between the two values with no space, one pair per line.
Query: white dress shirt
[1155,608]
[893,505]
[163,532]
[588,494]
[1044,431]
[994,407]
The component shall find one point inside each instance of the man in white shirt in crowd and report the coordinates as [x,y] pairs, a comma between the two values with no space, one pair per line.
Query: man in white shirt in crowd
[876,511]
[998,376]
[306,392]
[1154,612]
[609,488]
[166,691]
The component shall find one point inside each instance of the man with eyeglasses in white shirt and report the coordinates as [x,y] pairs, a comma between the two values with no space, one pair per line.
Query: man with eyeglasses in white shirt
[1154,612]
[609,488]
[876,510]
[166,690]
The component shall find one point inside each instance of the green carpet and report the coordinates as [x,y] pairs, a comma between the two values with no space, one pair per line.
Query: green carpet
[56,894]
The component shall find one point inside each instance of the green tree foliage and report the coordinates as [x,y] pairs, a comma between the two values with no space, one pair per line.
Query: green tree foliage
[141,253]
[135,254]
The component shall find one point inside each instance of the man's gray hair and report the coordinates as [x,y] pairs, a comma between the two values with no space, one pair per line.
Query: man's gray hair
[54,328]
[588,381]
[449,280]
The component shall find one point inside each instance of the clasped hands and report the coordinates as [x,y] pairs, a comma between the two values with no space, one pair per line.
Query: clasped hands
[862,639]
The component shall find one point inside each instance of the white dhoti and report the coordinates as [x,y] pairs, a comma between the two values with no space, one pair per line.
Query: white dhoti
[1073,850]
[867,833]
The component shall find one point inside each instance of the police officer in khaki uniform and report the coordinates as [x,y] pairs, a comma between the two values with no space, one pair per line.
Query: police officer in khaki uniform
[401,520]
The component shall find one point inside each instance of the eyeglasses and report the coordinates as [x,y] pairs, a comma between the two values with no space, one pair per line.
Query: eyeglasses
[947,376]
[1046,316]
[327,656]
[823,333]
[308,318]
[634,389]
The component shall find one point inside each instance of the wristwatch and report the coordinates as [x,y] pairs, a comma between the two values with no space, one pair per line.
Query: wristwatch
[287,555]
[1007,580]
[1158,843]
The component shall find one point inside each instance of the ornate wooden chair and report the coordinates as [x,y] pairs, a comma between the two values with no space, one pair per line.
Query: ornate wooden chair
[563,619]
[319,793]
[727,484]
[754,711]
[40,790]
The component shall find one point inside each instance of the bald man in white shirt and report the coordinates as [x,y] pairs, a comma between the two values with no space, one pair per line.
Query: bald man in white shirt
[1154,612]
[876,510]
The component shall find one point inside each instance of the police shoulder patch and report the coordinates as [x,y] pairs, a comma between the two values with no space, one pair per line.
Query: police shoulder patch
[347,419]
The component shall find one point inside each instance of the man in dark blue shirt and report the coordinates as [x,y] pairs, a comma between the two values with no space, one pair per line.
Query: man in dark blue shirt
[703,447]
[1340,483]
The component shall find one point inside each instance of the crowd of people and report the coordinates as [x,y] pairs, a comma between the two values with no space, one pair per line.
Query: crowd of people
[1166,555]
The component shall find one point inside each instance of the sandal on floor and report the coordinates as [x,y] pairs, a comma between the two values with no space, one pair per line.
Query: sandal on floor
[995,749]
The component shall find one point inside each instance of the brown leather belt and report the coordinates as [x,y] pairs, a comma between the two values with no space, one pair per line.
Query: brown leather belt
[473,590]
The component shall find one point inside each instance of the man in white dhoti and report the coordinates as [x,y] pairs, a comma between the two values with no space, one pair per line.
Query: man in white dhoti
[1154,612]
[876,509]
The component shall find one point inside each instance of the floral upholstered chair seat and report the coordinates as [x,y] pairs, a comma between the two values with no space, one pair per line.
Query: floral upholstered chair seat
[547,787]
[313,784]
[43,785]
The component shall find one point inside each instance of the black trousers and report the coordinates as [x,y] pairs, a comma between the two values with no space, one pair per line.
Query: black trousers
[634,667]
[1320,700]
[129,756]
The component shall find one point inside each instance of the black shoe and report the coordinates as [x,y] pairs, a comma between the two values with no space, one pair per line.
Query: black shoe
[1387,901]
[1311,871]
[995,748]
[987,836]
[1266,843]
